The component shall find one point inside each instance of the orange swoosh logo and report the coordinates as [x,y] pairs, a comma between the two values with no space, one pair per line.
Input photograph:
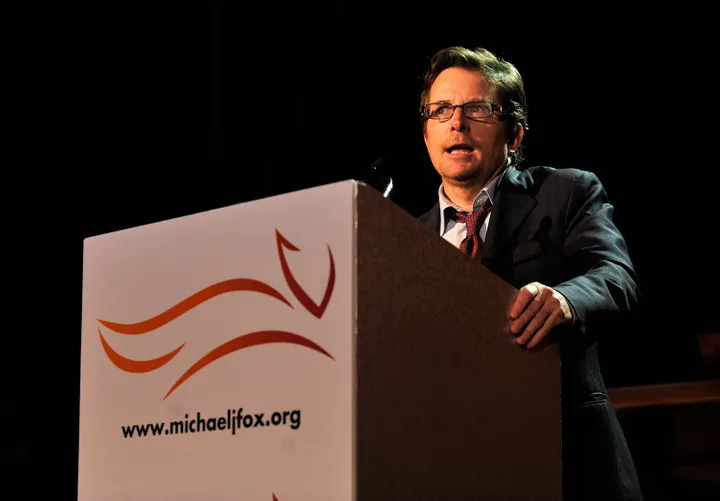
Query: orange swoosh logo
[246,341]
[136,366]
[316,309]
[236,344]
[233,285]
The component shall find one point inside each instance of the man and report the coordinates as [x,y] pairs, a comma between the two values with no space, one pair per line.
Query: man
[550,233]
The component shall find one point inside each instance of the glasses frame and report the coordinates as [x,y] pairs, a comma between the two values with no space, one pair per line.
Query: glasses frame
[494,108]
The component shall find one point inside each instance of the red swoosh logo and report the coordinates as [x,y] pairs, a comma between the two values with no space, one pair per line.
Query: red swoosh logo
[236,344]
[246,341]
[316,309]
[233,285]
[136,366]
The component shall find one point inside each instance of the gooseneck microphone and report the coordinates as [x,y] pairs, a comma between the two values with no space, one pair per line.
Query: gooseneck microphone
[379,178]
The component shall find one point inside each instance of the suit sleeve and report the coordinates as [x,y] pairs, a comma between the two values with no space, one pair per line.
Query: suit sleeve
[604,282]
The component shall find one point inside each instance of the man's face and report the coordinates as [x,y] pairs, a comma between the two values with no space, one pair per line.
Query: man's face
[463,151]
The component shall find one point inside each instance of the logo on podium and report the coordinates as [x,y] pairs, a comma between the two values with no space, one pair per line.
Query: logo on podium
[241,342]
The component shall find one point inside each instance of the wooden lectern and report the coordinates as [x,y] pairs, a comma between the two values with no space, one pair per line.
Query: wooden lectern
[448,406]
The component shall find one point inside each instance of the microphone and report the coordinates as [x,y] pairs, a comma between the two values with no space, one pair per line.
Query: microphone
[379,178]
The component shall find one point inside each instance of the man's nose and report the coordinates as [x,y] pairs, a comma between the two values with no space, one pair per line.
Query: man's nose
[458,120]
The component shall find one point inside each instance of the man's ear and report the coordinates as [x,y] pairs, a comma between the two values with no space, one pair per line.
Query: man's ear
[517,137]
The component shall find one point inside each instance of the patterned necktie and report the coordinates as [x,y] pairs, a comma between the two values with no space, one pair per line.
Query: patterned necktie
[472,244]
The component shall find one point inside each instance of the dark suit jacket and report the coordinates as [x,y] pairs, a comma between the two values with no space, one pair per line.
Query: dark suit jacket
[555,226]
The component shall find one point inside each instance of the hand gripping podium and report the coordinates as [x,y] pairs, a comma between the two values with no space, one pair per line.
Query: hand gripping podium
[321,345]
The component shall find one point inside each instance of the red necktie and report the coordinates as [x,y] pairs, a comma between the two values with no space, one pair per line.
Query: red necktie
[472,244]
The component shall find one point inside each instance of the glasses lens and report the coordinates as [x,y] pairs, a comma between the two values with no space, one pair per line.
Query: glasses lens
[477,110]
[438,111]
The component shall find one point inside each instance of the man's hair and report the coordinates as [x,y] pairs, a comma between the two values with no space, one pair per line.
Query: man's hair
[501,75]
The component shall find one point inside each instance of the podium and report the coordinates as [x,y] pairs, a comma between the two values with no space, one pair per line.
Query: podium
[321,345]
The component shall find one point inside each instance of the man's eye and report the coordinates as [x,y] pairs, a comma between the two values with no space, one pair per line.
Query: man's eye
[478,109]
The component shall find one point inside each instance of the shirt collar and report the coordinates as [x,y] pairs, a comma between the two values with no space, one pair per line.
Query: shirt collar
[445,202]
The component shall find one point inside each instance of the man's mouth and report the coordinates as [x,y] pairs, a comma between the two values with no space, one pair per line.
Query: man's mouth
[459,149]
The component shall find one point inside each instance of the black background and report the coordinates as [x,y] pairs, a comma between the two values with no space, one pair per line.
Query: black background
[131,116]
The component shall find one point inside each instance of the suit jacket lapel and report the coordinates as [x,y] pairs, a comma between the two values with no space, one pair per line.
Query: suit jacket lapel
[432,217]
[511,206]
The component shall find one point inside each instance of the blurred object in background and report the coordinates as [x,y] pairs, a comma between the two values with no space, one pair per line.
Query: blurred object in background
[673,430]
[709,344]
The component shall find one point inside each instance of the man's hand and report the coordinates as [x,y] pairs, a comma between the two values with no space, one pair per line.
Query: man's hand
[536,311]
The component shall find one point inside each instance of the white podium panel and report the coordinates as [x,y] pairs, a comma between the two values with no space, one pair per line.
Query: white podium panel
[218,354]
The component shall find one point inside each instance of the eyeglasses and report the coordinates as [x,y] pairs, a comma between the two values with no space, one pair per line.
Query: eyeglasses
[474,110]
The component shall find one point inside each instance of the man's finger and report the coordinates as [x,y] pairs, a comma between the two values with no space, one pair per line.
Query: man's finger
[534,323]
[545,330]
[531,310]
[523,299]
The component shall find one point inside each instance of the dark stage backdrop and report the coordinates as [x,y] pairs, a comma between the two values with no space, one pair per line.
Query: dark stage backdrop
[149,115]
